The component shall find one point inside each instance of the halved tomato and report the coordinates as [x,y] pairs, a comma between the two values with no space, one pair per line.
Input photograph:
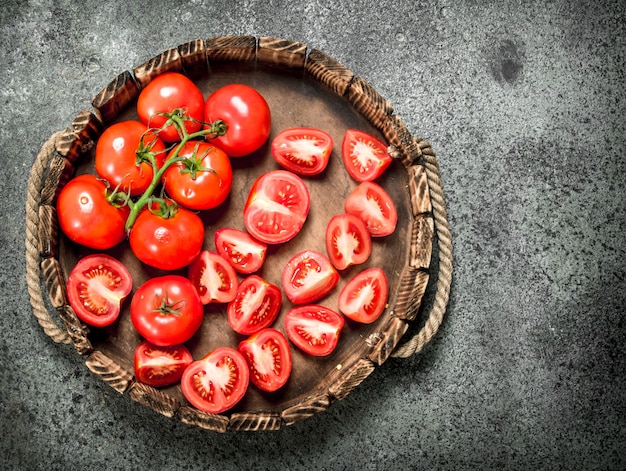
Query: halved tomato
[364,297]
[277,206]
[308,276]
[304,151]
[96,288]
[216,382]
[213,277]
[269,359]
[347,241]
[314,329]
[364,156]
[245,254]
[160,366]
[255,305]
[371,203]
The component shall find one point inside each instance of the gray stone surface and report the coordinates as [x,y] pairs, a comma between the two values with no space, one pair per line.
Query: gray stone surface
[525,104]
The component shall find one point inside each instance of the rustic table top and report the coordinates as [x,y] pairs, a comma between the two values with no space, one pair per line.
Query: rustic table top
[524,105]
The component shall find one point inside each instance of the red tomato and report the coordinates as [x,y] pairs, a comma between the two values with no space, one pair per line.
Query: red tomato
[164,94]
[255,307]
[247,117]
[269,359]
[304,151]
[160,366]
[277,206]
[347,241]
[371,203]
[364,156]
[217,382]
[202,180]
[213,277]
[364,297]
[96,287]
[167,243]
[87,217]
[245,254]
[166,310]
[308,276]
[314,329]
[120,156]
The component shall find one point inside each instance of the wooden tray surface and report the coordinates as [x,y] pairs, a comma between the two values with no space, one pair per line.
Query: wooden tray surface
[302,88]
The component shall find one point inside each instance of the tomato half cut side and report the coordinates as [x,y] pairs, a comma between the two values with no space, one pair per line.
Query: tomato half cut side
[364,297]
[255,306]
[348,241]
[314,329]
[160,366]
[304,151]
[269,359]
[217,382]
[308,276]
[371,203]
[245,254]
[96,288]
[277,207]
[214,278]
[364,156]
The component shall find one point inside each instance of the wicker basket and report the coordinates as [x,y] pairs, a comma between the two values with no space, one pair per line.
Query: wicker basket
[288,75]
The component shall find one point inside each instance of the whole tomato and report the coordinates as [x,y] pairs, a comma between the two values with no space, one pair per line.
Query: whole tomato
[247,117]
[120,156]
[202,180]
[87,215]
[167,237]
[166,310]
[166,93]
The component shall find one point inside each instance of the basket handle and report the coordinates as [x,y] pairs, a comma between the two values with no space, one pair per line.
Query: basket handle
[33,257]
[444,274]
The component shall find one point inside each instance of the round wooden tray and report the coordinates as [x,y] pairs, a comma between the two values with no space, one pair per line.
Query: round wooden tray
[302,88]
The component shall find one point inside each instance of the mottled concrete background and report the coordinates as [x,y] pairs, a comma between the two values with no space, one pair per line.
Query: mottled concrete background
[524,103]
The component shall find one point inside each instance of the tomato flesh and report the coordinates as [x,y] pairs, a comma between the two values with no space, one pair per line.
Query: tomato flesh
[304,151]
[166,310]
[364,297]
[308,276]
[244,253]
[255,306]
[372,204]
[160,366]
[364,156]
[217,382]
[213,277]
[96,288]
[347,241]
[269,359]
[314,329]
[277,207]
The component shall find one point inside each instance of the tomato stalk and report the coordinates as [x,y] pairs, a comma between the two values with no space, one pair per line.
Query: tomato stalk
[166,307]
[216,128]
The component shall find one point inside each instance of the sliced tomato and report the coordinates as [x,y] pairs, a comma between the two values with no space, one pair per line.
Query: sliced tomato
[314,329]
[269,359]
[213,277]
[277,206]
[308,276]
[255,306]
[371,203]
[96,288]
[364,156]
[217,382]
[364,297]
[347,241]
[245,254]
[304,151]
[160,366]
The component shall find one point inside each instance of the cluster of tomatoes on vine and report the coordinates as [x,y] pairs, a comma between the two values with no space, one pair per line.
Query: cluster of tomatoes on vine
[155,173]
